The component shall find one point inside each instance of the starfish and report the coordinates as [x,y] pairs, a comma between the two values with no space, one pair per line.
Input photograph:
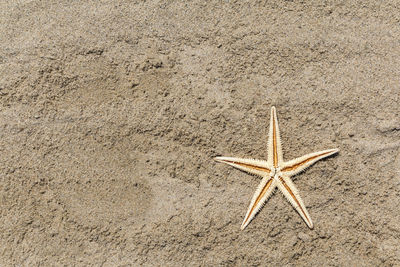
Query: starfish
[276,173]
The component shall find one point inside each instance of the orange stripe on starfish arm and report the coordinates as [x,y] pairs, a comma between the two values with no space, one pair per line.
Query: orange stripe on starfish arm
[260,196]
[274,140]
[300,164]
[248,166]
[296,200]
[258,167]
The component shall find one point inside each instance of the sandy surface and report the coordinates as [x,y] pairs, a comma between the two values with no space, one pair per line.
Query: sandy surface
[111,113]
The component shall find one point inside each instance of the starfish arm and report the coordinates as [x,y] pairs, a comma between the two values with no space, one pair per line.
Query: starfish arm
[289,190]
[253,166]
[275,156]
[295,166]
[261,195]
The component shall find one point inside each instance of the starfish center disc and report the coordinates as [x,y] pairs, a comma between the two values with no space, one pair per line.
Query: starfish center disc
[275,171]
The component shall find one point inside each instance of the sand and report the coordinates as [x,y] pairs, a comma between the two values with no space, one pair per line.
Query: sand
[112,111]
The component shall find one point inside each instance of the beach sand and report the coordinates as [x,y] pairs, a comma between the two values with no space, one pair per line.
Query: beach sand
[112,111]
